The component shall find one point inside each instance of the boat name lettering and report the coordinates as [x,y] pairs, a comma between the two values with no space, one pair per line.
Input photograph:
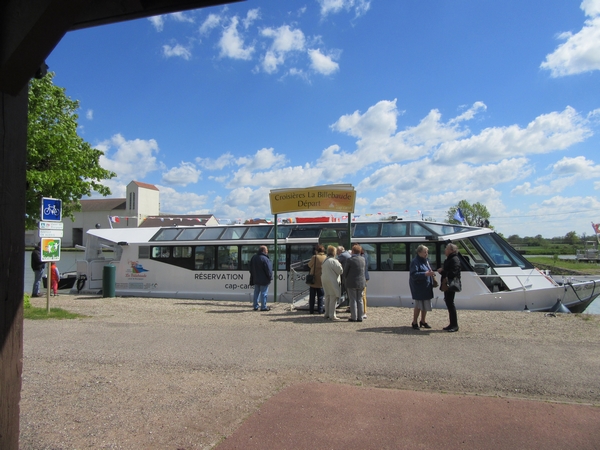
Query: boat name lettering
[218,276]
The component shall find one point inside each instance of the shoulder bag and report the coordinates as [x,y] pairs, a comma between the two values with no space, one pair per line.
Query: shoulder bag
[310,278]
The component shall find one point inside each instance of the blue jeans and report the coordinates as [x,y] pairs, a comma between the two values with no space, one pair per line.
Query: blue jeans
[260,294]
[36,282]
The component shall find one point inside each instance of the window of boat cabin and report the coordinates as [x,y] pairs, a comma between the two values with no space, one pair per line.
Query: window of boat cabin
[363,230]
[301,253]
[210,234]
[392,256]
[416,229]
[258,232]
[308,231]
[493,250]
[370,252]
[167,234]
[432,256]
[394,229]
[204,257]
[182,252]
[161,252]
[227,257]
[233,233]
[248,251]
[189,234]
[282,232]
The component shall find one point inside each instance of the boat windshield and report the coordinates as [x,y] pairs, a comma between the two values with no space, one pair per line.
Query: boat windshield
[498,253]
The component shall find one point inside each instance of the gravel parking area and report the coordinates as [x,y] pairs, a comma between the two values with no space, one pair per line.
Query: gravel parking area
[138,373]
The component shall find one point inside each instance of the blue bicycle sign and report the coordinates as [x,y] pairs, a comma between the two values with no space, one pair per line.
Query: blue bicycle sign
[51,209]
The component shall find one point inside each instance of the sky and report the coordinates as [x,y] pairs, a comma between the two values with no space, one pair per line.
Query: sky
[417,104]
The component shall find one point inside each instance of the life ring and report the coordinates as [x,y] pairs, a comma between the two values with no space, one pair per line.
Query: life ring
[81,282]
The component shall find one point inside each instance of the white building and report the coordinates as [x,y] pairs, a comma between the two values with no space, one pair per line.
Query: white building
[141,201]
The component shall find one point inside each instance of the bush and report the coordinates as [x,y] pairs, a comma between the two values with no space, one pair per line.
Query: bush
[26,301]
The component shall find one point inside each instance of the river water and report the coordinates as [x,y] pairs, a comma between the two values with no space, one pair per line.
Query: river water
[68,263]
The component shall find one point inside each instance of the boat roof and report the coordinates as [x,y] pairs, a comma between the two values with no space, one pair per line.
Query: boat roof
[431,231]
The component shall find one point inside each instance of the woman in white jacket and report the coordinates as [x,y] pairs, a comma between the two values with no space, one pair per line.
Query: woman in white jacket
[330,279]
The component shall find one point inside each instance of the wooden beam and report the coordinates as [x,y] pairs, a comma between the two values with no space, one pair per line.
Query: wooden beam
[13,145]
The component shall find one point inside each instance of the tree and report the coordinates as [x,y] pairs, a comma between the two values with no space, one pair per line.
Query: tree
[475,214]
[60,164]
[571,238]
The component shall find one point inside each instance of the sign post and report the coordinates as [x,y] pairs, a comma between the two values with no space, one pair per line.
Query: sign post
[50,233]
[333,197]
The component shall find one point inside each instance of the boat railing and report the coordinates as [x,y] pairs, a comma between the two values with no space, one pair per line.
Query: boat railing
[297,281]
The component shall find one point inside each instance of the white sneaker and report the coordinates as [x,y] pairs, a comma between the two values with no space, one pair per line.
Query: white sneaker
[364,317]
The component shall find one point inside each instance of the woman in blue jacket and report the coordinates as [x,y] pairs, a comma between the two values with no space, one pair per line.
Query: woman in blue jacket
[421,286]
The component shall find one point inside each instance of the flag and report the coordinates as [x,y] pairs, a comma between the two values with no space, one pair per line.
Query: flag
[114,219]
[596,227]
[458,215]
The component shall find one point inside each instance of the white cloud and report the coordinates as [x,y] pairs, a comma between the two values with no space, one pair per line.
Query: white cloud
[131,160]
[251,17]
[183,175]
[321,63]
[158,22]
[262,159]
[220,163]
[177,50]
[360,7]
[581,51]
[210,23]
[89,114]
[181,202]
[232,44]
[545,134]
[285,41]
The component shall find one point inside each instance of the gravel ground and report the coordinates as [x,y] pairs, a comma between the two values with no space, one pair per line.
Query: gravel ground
[139,373]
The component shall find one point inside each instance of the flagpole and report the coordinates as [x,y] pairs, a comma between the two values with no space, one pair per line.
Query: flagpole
[109,222]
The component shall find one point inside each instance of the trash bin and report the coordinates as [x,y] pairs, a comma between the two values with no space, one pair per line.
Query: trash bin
[109,274]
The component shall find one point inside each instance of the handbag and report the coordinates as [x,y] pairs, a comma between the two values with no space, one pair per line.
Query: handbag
[434,281]
[310,278]
[454,285]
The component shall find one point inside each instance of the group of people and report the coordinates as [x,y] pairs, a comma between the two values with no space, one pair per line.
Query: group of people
[38,266]
[335,272]
[422,283]
[336,269]
[332,271]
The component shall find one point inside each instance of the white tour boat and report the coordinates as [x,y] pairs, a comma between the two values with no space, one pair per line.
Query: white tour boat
[211,262]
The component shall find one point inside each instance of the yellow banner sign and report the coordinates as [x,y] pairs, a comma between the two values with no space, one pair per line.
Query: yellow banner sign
[336,198]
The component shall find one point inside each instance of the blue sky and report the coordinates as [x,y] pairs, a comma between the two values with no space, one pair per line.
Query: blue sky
[417,104]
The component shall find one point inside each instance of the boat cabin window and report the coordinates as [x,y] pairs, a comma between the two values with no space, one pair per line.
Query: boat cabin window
[161,252]
[432,252]
[306,232]
[301,253]
[189,234]
[282,232]
[392,256]
[167,234]
[257,232]
[204,257]
[393,229]
[210,234]
[227,255]
[182,252]
[416,229]
[234,233]
[500,254]
[362,230]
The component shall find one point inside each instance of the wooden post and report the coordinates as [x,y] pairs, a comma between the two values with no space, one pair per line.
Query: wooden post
[13,151]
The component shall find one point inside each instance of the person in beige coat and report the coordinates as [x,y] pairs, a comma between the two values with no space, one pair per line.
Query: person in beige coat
[330,278]
[316,288]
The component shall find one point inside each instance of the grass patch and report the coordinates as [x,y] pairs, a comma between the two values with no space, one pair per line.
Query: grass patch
[583,267]
[36,313]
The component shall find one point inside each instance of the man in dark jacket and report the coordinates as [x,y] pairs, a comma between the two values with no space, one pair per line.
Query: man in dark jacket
[261,275]
[354,279]
[38,269]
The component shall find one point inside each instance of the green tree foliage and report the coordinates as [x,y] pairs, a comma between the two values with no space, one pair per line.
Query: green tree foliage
[571,238]
[60,164]
[475,214]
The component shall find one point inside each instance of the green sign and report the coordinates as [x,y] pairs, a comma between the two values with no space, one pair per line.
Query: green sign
[50,249]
